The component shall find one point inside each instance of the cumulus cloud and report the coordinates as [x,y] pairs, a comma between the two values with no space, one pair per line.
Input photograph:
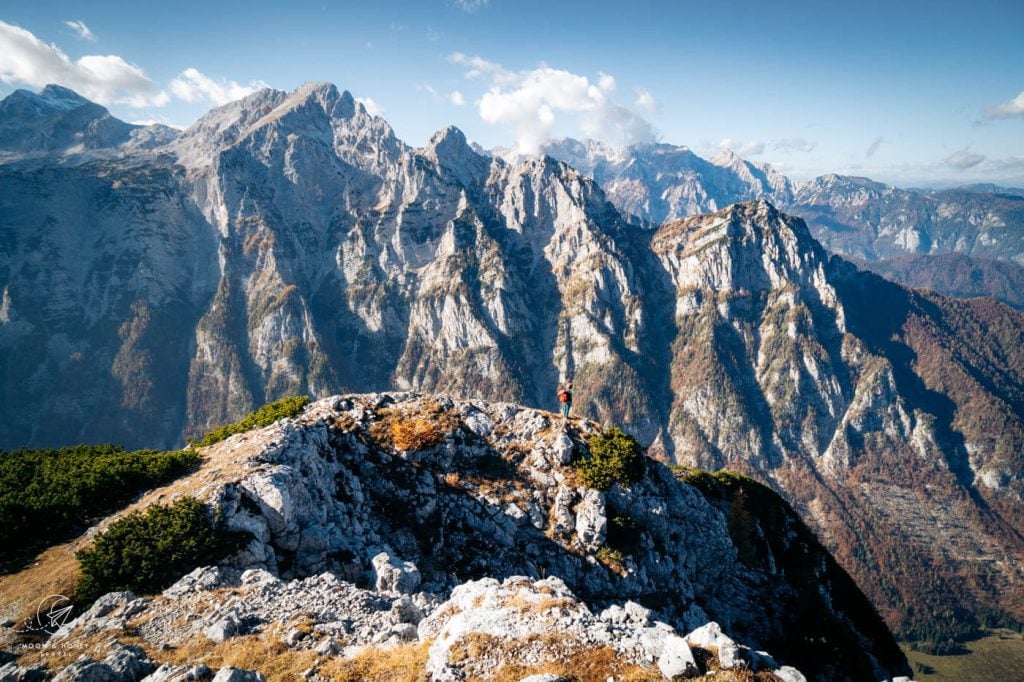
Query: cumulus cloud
[1011,109]
[372,107]
[192,85]
[963,159]
[752,148]
[606,82]
[873,147]
[456,98]
[107,79]
[795,144]
[82,30]
[471,6]
[530,102]
[644,100]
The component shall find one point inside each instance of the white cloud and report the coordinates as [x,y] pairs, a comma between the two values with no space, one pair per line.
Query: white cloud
[644,100]
[194,86]
[371,107]
[529,103]
[1012,109]
[456,98]
[873,147]
[963,159]
[82,30]
[751,148]
[471,6]
[795,144]
[477,67]
[432,35]
[107,79]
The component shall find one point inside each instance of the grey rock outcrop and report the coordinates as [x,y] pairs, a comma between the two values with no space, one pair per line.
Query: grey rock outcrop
[360,541]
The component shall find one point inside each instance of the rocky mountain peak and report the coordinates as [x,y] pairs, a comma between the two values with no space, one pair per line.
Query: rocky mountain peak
[56,121]
[50,99]
[746,247]
[410,518]
[663,182]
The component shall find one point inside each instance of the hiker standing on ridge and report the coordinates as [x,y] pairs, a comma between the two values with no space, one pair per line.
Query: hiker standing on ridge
[565,398]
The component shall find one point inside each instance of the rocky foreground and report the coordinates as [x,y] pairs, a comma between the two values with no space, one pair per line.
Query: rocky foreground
[456,540]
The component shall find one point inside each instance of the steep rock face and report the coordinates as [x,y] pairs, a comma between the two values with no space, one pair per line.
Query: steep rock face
[479,532]
[341,258]
[860,399]
[373,264]
[103,272]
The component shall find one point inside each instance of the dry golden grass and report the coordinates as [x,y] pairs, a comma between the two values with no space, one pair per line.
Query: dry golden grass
[413,430]
[54,571]
[264,652]
[405,663]
[524,605]
[580,665]
[415,434]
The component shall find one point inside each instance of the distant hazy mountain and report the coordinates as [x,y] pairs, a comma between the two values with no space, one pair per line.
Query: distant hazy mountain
[661,182]
[869,220]
[58,122]
[289,242]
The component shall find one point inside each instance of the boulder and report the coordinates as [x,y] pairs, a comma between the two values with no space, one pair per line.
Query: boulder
[676,659]
[591,520]
[394,575]
[730,655]
[223,628]
[789,674]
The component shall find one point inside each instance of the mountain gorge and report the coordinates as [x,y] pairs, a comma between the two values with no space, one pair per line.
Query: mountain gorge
[290,243]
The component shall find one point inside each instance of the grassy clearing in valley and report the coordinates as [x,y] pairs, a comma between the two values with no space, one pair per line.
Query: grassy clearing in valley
[997,656]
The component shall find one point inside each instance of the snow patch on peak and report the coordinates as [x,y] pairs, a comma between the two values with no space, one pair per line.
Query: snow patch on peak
[59,97]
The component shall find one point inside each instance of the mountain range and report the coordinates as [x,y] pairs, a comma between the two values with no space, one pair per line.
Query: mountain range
[154,284]
[964,242]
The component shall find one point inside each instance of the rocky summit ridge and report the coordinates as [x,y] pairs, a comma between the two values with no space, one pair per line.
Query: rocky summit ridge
[479,550]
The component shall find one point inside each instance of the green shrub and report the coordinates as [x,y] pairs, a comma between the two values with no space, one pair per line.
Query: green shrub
[615,457]
[266,415]
[46,495]
[146,552]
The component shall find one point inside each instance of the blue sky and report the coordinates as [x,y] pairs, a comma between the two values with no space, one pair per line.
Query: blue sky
[913,93]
